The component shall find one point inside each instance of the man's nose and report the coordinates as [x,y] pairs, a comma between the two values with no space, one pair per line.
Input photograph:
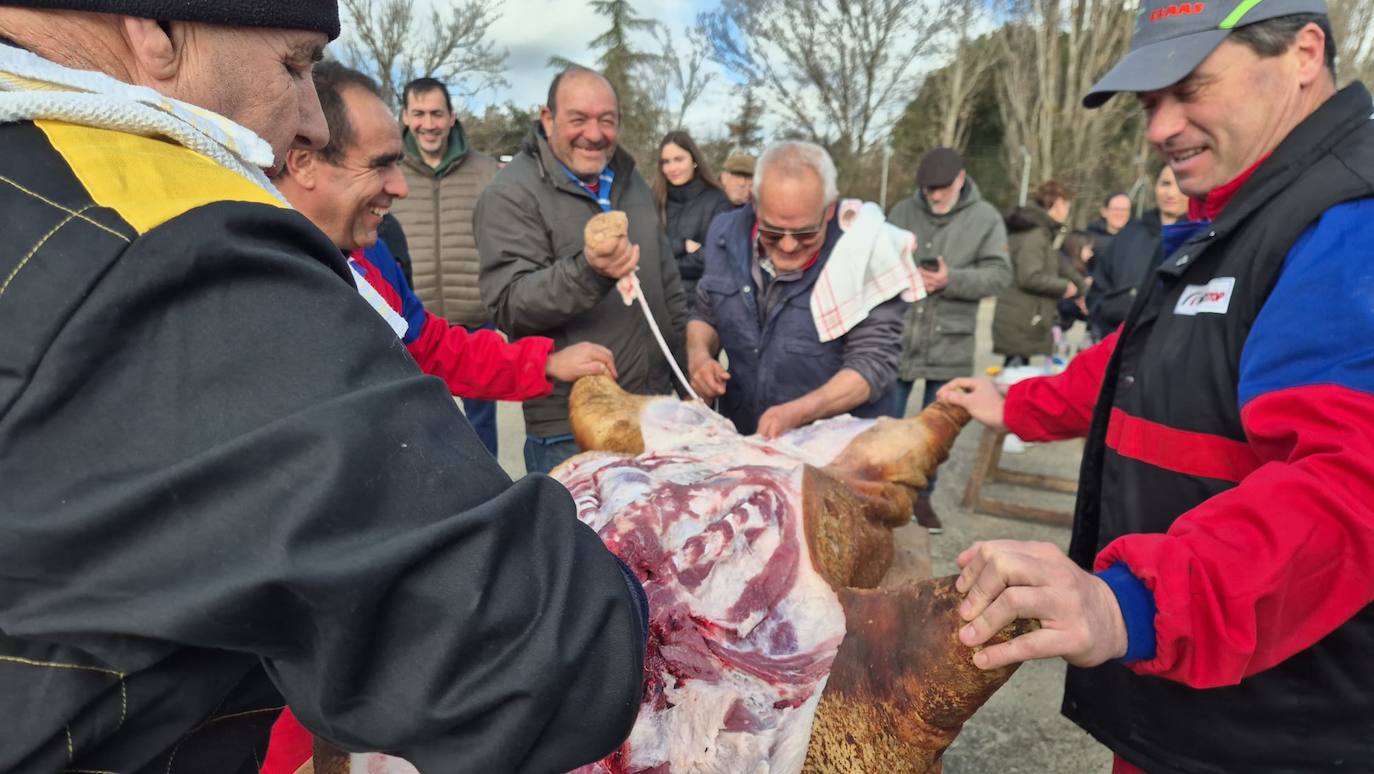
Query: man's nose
[1164,120]
[396,184]
[313,132]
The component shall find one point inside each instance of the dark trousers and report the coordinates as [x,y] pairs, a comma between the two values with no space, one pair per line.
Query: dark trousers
[900,394]
[482,413]
[545,454]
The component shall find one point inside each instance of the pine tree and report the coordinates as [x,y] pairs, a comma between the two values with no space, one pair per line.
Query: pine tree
[746,131]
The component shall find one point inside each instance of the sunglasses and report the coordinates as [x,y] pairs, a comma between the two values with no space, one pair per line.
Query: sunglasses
[770,238]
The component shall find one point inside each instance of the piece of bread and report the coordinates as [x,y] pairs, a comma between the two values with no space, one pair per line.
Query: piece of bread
[602,231]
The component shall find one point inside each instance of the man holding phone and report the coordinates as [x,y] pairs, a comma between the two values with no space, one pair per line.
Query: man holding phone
[962,256]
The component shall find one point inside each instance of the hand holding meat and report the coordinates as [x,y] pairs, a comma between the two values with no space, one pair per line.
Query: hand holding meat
[980,397]
[1004,580]
[709,378]
[783,417]
[579,360]
[607,246]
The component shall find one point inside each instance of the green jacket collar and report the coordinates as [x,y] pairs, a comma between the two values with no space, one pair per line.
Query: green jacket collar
[457,149]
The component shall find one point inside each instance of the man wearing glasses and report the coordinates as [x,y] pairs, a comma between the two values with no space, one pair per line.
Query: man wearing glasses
[754,301]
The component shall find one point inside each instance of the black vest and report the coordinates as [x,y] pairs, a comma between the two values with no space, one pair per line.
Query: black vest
[1315,711]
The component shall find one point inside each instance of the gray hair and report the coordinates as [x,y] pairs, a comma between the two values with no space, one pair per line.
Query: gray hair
[793,156]
[1272,37]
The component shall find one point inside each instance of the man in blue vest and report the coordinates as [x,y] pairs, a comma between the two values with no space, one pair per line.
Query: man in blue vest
[754,301]
[1215,604]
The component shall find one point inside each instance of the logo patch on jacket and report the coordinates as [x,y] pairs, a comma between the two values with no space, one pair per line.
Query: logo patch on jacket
[1212,298]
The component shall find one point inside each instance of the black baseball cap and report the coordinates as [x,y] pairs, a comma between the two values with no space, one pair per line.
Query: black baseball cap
[1172,38]
[938,168]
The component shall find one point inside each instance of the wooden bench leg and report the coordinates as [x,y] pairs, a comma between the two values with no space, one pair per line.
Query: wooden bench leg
[987,467]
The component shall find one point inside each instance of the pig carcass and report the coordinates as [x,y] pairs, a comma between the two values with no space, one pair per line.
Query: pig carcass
[770,647]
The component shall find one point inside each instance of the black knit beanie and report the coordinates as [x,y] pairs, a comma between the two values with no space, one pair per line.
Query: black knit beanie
[313,15]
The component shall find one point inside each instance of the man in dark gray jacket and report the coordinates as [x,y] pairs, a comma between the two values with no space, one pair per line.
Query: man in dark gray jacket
[962,256]
[537,278]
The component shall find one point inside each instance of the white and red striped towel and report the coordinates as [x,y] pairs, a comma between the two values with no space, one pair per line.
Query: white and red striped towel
[871,263]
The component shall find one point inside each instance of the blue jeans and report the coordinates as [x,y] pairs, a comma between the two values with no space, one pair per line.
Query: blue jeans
[482,413]
[545,454]
[898,397]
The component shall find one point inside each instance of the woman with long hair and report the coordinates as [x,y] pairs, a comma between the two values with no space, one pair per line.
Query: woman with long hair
[688,199]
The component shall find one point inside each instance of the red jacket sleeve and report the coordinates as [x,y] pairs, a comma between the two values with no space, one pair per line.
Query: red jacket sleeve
[482,365]
[1055,408]
[290,748]
[1260,572]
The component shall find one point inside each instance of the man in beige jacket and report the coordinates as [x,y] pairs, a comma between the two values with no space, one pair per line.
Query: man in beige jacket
[445,177]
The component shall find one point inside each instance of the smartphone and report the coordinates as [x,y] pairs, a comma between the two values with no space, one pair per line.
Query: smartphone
[929,264]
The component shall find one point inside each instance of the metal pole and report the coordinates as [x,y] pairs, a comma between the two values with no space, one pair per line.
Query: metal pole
[1025,174]
[887,159]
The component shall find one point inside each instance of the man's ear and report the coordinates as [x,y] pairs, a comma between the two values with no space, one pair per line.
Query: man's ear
[152,46]
[303,167]
[1309,47]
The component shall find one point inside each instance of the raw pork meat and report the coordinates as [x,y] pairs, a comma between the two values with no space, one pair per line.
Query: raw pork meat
[769,649]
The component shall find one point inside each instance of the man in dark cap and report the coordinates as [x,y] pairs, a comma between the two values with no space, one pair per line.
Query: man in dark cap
[1226,502]
[226,487]
[962,256]
[737,178]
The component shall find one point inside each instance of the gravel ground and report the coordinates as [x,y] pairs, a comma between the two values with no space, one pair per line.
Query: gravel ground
[1020,730]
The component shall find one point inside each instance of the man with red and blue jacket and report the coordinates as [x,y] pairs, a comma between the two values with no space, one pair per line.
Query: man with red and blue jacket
[1215,603]
[345,189]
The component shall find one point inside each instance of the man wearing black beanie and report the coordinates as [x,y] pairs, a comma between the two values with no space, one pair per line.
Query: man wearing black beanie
[223,486]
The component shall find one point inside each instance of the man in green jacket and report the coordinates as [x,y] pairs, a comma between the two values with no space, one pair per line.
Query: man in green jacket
[962,256]
[538,278]
[445,177]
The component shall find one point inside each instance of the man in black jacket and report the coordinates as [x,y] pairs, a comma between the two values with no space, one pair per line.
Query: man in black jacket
[539,279]
[225,485]
[1216,605]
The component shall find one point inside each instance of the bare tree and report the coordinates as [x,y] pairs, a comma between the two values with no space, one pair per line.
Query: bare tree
[1052,53]
[684,75]
[394,44]
[964,79]
[1352,21]
[839,71]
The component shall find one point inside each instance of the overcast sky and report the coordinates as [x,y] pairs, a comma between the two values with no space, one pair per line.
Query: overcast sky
[534,30]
